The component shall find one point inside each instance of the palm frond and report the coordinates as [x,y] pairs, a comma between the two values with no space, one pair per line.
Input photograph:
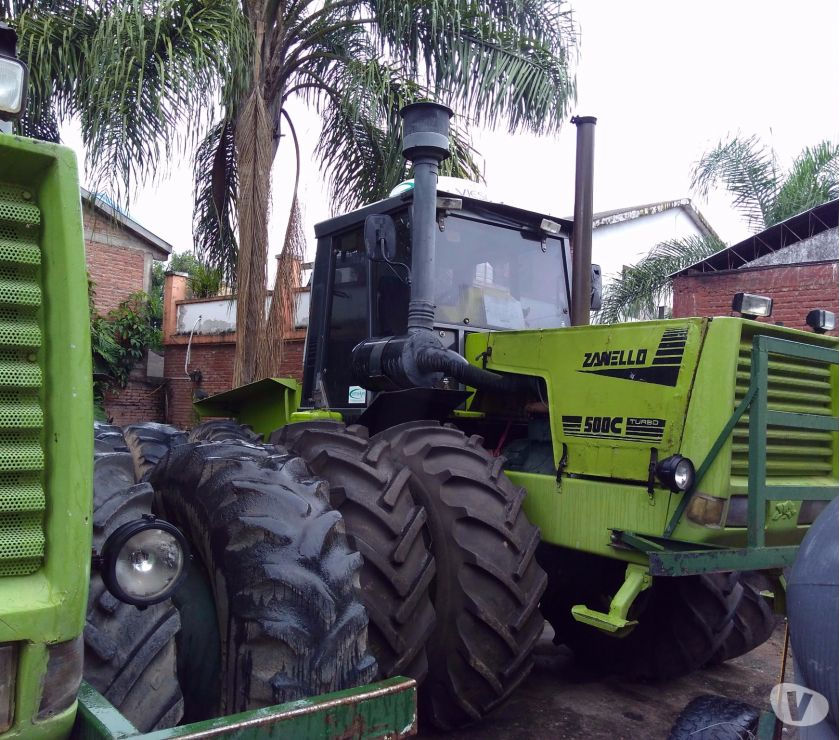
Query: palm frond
[141,76]
[748,170]
[639,290]
[811,181]
[215,185]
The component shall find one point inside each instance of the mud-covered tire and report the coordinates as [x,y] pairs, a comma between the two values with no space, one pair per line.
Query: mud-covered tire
[487,584]
[129,653]
[223,430]
[148,442]
[710,717]
[682,621]
[752,623]
[283,576]
[387,527]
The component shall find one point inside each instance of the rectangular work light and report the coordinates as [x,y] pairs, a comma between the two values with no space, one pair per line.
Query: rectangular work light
[13,75]
[751,305]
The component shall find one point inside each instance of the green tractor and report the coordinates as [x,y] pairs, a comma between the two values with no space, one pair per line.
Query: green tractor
[497,460]
[236,616]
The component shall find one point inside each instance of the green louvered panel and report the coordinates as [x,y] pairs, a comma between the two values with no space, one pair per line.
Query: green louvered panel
[22,498]
[796,385]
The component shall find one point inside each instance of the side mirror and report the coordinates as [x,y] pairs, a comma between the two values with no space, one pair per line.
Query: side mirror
[380,238]
[595,297]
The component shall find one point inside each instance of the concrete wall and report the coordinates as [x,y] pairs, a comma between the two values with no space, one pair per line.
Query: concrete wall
[625,243]
[795,290]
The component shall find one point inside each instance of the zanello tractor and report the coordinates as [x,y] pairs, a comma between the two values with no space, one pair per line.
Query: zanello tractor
[264,612]
[497,460]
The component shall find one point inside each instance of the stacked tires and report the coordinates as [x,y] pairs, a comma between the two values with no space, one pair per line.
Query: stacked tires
[327,558]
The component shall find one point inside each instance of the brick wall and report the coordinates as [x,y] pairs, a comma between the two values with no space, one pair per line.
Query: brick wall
[795,290]
[141,400]
[215,361]
[117,272]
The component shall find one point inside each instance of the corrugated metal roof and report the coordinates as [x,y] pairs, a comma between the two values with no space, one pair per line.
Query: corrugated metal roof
[802,226]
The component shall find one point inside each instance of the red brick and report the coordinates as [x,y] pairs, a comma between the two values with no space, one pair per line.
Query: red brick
[795,290]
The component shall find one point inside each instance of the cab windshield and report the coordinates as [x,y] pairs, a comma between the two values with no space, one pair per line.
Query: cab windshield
[491,276]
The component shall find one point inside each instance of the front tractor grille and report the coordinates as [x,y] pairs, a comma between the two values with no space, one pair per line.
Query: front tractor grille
[22,500]
[796,385]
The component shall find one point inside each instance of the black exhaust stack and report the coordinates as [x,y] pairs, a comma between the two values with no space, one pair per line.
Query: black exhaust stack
[582,227]
[426,145]
[417,359]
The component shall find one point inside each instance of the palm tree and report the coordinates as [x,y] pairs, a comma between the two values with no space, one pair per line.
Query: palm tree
[642,288]
[146,76]
[761,192]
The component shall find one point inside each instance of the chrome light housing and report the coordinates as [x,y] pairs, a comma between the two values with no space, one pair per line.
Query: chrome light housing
[677,473]
[13,76]
[752,306]
[821,321]
[144,561]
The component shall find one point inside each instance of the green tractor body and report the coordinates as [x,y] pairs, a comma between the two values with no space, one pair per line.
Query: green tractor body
[611,402]
[45,443]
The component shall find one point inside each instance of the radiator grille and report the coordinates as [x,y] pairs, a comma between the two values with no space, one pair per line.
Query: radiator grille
[797,385]
[22,499]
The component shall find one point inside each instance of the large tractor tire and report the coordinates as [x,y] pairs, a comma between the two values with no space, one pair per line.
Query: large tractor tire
[283,578]
[488,583]
[753,621]
[386,526]
[682,622]
[129,653]
[108,438]
[223,430]
[148,442]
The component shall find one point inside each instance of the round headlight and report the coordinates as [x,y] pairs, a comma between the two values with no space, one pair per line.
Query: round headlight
[144,561]
[677,473]
[684,474]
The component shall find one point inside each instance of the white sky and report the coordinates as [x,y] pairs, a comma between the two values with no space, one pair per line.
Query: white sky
[666,80]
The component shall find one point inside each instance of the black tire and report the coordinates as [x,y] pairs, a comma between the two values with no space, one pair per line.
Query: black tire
[710,717]
[488,583]
[753,622]
[682,622]
[223,430]
[108,438]
[129,654]
[283,577]
[148,442]
[385,525]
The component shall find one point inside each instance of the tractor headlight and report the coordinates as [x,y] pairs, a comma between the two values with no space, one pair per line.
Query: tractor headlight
[144,561]
[821,321]
[752,306]
[13,75]
[676,472]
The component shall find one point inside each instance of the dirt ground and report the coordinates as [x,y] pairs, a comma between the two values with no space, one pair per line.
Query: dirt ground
[558,700]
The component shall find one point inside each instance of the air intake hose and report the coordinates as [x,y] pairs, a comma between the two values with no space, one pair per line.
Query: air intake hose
[432,359]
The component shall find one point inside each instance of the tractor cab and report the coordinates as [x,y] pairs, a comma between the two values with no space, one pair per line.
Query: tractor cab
[496,268]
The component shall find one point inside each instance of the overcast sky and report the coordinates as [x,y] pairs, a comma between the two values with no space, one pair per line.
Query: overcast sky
[666,80]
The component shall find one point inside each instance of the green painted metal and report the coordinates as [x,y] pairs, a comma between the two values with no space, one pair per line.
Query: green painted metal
[46,413]
[378,710]
[723,560]
[265,405]
[637,578]
[314,415]
[721,440]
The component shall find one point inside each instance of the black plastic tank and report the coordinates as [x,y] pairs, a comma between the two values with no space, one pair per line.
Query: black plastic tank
[813,610]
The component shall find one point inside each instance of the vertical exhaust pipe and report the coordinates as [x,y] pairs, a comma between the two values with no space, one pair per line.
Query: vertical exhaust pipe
[582,227]
[426,145]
